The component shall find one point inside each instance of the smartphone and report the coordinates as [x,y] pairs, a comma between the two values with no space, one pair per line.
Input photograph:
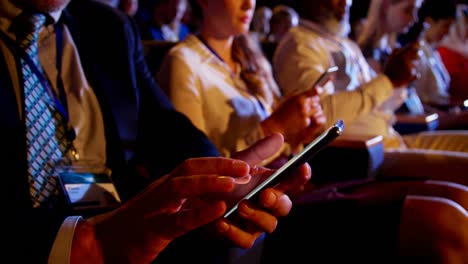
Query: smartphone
[305,155]
[324,76]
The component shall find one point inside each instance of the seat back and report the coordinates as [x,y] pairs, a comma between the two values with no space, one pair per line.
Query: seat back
[155,51]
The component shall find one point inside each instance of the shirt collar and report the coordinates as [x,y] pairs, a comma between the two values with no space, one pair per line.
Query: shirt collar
[207,55]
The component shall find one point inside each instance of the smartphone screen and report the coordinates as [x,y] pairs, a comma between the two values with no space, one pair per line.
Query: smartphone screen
[305,155]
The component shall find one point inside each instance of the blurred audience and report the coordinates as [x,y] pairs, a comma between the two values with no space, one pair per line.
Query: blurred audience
[363,98]
[429,93]
[432,87]
[358,95]
[385,20]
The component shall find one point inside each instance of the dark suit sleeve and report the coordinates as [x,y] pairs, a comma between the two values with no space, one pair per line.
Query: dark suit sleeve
[166,137]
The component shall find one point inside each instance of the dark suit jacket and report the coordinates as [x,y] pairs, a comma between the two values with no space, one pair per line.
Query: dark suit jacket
[134,110]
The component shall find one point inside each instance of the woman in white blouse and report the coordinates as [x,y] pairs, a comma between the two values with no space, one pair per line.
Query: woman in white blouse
[224,84]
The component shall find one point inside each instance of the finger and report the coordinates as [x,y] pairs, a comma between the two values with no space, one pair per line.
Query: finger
[296,179]
[196,185]
[278,203]
[261,219]
[177,224]
[167,196]
[315,108]
[236,235]
[319,118]
[261,150]
[212,165]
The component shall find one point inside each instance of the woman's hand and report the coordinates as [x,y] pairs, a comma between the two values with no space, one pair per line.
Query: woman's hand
[298,118]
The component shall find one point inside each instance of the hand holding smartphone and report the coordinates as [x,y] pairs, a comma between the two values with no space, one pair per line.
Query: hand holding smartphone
[305,155]
[321,81]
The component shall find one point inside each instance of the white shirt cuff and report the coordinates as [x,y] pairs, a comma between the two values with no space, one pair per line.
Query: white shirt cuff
[61,249]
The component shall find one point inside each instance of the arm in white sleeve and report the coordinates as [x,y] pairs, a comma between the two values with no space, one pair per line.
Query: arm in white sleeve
[298,64]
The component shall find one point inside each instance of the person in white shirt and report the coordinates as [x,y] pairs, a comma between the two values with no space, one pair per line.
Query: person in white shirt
[220,79]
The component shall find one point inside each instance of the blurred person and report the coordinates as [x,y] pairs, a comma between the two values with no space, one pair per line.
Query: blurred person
[69,97]
[385,20]
[454,53]
[432,87]
[434,21]
[165,21]
[130,7]
[223,83]
[357,17]
[282,19]
[426,30]
[260,25]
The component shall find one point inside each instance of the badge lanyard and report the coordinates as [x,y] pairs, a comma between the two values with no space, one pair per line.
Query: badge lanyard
[60,99]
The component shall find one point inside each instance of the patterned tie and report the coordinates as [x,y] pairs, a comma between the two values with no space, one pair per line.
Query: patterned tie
[46,142]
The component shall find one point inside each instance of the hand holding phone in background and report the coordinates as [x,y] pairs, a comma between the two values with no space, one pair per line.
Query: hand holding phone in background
[317,86]
[296,118]
[402,66]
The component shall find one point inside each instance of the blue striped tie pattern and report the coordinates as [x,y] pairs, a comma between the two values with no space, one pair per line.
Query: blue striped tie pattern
[45,132]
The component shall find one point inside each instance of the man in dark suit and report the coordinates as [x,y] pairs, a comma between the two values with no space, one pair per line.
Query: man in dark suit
[111,104]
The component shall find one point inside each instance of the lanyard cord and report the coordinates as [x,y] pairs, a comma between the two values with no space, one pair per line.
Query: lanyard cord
[60,100]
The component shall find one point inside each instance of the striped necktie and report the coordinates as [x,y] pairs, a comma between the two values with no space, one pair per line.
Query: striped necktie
[45,132]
